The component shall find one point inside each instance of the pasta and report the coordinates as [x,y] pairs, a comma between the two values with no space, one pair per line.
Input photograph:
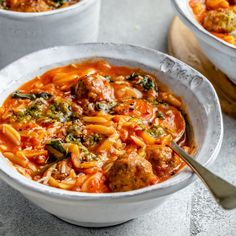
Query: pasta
[217,16]
[105,131]
[11,134]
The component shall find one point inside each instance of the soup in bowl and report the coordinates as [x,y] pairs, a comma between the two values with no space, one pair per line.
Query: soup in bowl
[94,127]
[101,129]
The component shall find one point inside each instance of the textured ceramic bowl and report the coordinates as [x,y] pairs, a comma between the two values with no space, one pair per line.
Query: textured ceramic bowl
[221,53]
[98,210]
[22,33]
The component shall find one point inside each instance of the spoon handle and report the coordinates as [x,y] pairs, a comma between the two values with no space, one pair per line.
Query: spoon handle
[224,192]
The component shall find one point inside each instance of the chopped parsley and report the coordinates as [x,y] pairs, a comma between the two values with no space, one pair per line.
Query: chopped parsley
[156,131]
[104,106]
[74,134]
[60,111]
[59,3]
[133,76]
[145,81]
[160,115]
[92,140]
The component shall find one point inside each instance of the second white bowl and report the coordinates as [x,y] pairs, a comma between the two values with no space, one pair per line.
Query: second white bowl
[221,53]
[22,33]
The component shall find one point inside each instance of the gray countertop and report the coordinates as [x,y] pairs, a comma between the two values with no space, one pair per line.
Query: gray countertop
[191,211]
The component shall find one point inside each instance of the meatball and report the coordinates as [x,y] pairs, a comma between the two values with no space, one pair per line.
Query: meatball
[129,173]
[220,21]
[95,88]
[164,161]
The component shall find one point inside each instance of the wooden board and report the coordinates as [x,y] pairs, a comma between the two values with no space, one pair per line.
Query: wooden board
[183,45]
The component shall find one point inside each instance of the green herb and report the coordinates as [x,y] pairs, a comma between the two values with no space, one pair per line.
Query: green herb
[155,102]
[92,140]
[19,95]
[103,106]
[70,138]
[60,111]
[133,76]
[74,134]
[146,83]
[31,96]
[43,95]
[156,131]
[56,150]
[86,155]
[56,154]
[160,115]
[35,110]
[46,167]
[60,2]
[140,124]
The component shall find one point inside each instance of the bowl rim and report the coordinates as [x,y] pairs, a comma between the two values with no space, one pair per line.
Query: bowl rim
[209,38]
[26,15]
[21,183]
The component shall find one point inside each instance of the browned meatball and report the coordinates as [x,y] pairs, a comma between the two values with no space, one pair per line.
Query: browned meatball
[129,173]
[220,21]
[95,88]
[164,161]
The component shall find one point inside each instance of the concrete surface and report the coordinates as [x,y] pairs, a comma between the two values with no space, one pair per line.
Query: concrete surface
[191,211]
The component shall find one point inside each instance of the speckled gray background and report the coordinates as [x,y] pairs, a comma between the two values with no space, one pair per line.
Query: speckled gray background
[191,211]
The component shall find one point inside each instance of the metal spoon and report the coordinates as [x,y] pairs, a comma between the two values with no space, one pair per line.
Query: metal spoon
[224,192]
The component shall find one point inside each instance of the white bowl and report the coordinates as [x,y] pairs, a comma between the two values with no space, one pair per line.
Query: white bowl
[221,53]
[22,33]
[97,210]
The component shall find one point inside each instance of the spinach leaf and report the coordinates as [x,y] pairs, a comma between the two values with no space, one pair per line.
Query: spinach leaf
[20,95]
[43,95]
[56,154]
[56,150]
[31,96]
